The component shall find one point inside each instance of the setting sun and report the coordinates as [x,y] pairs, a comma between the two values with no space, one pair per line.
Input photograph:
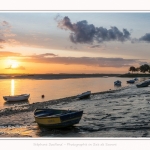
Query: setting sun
[15,64]
[12,63]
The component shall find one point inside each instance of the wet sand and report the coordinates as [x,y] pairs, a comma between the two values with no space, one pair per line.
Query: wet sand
[119,113]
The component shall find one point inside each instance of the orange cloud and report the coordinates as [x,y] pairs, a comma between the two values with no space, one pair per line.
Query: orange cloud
[87,61]
[8,54]
[51,58]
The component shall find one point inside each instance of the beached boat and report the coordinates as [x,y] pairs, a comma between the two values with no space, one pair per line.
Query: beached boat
[130,81]
[84,95]
[21,97]
[133,80]
[143,84]
[57,118]
[117,83]
[148,81]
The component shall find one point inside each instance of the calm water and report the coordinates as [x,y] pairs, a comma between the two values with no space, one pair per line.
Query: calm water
[53,89]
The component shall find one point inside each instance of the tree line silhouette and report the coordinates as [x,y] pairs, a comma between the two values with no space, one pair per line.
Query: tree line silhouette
[143,68]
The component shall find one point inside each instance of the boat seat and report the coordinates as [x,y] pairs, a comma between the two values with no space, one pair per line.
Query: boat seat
[43,115]
[51,114]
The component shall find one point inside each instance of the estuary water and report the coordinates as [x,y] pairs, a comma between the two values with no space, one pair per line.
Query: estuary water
[54,89]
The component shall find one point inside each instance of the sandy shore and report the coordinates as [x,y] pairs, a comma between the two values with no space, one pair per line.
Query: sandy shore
[120,113]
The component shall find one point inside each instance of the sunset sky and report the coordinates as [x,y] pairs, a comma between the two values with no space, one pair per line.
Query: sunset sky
[73,42]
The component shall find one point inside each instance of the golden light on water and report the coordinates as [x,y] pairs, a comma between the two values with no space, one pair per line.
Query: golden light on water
[12,87]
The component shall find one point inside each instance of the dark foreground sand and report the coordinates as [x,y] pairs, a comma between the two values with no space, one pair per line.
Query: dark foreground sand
[120,113]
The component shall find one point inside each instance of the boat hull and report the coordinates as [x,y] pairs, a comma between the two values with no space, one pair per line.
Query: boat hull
[84,95]
[131,81]
[146,84]
[22,97]
[139,86]
[61,120]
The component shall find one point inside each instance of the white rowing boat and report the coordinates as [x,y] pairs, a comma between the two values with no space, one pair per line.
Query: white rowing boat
[21,97]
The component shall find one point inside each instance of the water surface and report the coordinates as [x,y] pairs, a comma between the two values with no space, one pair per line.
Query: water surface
[54,89]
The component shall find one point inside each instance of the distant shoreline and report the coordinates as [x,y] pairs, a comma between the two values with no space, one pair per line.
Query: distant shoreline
[67,76]
[54,76]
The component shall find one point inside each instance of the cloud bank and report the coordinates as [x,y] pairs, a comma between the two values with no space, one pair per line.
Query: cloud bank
[50,58]
[87,61]
[82,32]
[145,38]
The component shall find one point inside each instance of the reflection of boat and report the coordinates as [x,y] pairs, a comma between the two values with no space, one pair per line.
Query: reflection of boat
[117,83]
[57,118]
[16,103]
[84,95]
[16,97]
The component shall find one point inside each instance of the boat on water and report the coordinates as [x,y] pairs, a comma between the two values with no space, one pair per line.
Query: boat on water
[57,118]
[13,98]
[84,95]
[105,76]
[117,83]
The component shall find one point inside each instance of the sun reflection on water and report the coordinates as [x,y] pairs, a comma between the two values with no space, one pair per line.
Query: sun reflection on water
[12,87]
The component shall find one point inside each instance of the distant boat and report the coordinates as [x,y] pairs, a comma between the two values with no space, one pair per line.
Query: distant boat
[57,118]
[105,76]
[84,95]
[21,97]
[117,83]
